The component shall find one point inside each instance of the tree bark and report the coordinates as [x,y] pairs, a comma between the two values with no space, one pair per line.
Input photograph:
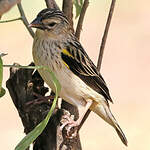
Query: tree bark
[27,91]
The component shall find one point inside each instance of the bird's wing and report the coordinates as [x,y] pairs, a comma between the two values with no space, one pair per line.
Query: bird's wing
[77,60]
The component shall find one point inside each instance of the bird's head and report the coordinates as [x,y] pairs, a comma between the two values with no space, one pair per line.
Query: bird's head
[51,21]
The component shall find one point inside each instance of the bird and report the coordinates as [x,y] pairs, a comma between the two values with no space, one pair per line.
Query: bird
[56,47]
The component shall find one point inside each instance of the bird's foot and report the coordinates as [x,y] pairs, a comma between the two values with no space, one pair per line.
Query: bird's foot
[70,126]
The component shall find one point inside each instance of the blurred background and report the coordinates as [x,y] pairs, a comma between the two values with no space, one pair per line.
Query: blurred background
[125,68]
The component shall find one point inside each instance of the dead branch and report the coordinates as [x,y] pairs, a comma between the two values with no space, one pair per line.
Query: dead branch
[27,91]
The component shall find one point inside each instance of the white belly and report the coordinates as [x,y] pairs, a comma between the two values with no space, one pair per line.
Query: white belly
[73,89]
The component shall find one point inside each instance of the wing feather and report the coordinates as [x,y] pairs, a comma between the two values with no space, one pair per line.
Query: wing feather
[81,65]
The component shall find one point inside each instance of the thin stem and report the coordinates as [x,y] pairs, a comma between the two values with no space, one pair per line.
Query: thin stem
[81,18]
[24,67]
[3,54]
[29,67]
[68,10]
[102,49]
[6,21]
[51,4]
[24,19]
[84,118]
[104,38]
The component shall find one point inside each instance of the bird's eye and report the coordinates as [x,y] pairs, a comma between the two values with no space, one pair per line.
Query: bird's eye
[52,24]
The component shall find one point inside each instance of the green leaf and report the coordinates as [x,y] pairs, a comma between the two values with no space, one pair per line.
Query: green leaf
[1,72]
[2,90]
[30,137]
[78,5]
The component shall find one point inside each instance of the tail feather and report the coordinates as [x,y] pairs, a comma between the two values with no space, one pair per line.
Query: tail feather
[121,135]
[104,112]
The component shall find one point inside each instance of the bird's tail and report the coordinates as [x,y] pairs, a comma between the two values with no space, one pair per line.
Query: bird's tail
[104,112]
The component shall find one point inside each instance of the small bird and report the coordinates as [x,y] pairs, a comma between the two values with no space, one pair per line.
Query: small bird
[56,47]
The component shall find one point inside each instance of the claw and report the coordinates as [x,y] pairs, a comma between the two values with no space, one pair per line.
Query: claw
[72,129]
[70,126]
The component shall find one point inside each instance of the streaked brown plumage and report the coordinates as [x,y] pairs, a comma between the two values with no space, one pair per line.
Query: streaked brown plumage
[56,47]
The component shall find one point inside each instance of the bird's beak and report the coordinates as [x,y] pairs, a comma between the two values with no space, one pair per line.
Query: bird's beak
[36,23]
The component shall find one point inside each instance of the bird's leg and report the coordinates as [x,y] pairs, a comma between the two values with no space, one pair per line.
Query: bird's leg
[82,111]
[70,123]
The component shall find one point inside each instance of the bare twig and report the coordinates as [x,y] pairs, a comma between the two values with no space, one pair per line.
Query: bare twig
[105,34]
[3,54]
[81,18]
[51,4]
[68,10]
[24,19]
[6,21]
[84,118]
[102,49]
[6,5]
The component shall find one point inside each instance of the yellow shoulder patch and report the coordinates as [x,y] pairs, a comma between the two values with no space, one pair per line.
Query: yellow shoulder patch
[67,53]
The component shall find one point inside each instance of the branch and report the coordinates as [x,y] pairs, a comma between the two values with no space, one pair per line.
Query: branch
[81,18]
[22,14]
[6,21]
[51,4]
[67,8]
[27,91]
[102,47]
[6,5]
[24,19]
[23,87]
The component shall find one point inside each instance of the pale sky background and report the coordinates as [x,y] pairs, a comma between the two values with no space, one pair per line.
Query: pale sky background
[125,68]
